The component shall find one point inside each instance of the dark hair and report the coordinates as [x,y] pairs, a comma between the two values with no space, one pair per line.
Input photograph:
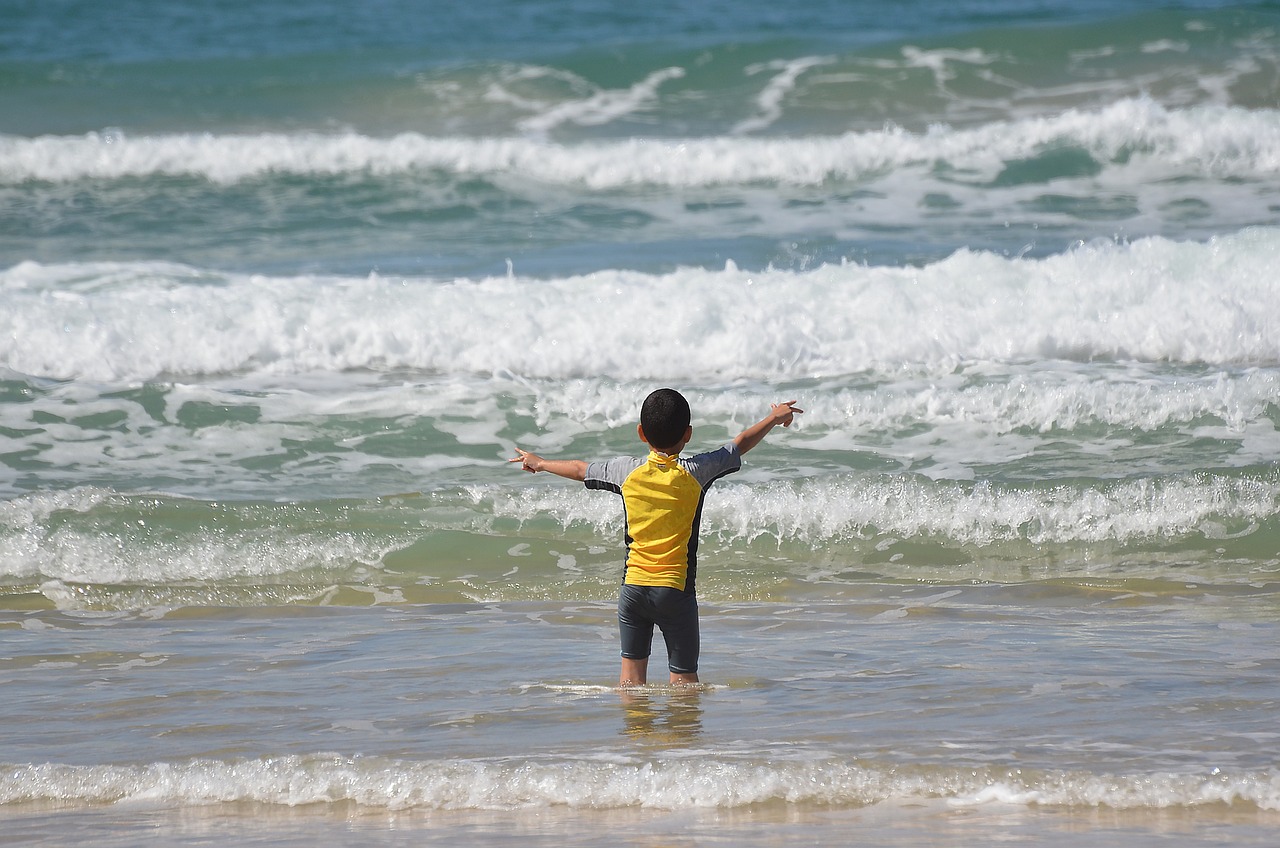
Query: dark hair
[664,417]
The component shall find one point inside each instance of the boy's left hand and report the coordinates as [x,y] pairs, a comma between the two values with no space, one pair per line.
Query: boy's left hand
[784,413]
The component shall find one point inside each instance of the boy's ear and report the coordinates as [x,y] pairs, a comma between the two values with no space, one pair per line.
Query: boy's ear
[640,433]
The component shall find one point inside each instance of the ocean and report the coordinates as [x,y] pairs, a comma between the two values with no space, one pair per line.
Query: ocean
[283,286]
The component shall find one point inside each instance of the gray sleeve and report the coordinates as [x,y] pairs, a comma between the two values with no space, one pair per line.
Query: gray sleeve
[708,467]
[610,474]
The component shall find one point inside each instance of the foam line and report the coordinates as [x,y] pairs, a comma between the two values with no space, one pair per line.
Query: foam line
[1137,135]
[673,784]
[1150,301]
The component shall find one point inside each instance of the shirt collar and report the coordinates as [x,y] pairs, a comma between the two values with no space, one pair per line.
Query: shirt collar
[661,458]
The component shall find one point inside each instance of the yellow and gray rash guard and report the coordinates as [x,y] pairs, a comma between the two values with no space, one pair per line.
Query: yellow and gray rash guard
[662,504]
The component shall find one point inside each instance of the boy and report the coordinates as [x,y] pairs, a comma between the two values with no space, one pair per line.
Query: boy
[662,503]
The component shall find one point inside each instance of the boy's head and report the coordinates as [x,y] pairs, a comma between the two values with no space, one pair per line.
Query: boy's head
[664,420]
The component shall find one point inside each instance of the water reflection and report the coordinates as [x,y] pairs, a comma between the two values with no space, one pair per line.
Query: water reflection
[666,717]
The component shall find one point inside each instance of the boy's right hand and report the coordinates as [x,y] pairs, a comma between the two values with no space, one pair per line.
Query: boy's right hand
[530,462]
[572,469]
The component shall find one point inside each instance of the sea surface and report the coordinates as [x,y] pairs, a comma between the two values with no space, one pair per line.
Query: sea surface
[284,284]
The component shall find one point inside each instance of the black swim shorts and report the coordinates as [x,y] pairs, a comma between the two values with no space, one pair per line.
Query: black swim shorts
[674,611]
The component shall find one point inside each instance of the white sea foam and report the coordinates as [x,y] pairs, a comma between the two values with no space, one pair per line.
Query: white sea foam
[1152,301]
[943,426]
[770,100]
[108,559]
[983,513]
[154,438]
[604,106]
[672,784]
[93,537]
[1135,136]
[41,544]
[832,509]
[31,513]
[1040,397]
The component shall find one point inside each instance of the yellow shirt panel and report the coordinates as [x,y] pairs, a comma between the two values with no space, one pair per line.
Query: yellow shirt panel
[661,504]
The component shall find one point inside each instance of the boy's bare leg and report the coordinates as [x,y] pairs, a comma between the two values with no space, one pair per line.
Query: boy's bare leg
[634,672]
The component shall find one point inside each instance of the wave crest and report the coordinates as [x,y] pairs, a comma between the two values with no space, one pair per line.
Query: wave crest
[676,784]
[1153,300]
[1138,136]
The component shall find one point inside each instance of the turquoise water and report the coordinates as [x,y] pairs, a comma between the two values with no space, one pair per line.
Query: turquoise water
[281,290]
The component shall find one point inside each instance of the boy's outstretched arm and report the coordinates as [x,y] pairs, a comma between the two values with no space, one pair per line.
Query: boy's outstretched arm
[780,413]
[574,469]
